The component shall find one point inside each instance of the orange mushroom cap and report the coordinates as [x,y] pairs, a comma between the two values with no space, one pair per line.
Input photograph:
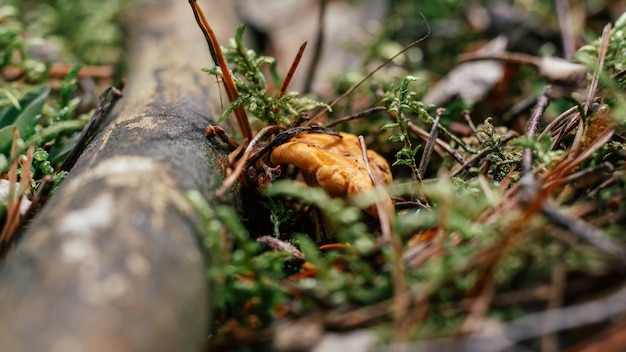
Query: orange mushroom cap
[333,162]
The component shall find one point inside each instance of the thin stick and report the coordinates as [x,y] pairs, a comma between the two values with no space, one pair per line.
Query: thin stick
[554,176]
[218,58]
[604,44]
[430,145]
[13,196]
[532,325]
[421,133]
[584,230]
[470,123]
[557,120]
[542,104]
[383,211]
[106,102]
[506,56]
[14,200]
[292,70]
[358,115]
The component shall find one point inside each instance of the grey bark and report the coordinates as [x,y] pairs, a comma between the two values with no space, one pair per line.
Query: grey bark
[113,262]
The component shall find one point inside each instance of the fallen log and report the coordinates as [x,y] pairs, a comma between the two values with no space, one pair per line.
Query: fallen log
[113,262]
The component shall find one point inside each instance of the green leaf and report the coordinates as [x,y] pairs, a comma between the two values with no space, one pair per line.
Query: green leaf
[24,119]
[396,138]
[239,35]
[68,86]
[6,139]
[8,94]
[390,125]
[61,149]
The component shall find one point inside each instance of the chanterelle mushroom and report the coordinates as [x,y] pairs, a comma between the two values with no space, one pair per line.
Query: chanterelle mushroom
[335,163]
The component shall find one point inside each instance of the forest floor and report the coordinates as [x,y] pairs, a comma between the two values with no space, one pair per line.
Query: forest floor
[487,214]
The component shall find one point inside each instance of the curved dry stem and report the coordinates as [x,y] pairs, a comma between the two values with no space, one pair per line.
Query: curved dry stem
[230,180]
[218,58]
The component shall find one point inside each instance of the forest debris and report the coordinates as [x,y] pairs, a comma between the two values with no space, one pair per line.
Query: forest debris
[562,72]
[277,245]
[430,145]
[333,162]
[499,336]
[358,340]
[300,335]
[586,231]
[566,77]
[471,81]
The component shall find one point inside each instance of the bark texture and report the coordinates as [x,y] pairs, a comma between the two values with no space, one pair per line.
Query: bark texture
[113,262]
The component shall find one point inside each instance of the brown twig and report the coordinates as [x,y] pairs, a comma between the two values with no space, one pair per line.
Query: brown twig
[212,131]
[14,199]
[218,58]
[540,107]
[553,176]
[42,193]
[292,70]
[516,58]
[589,176]
[421,133]
[604,44]
[470,123]
[357,115]
[61,70]
[106,103]
[558,121]
[278,245]
[585,230]
[481,303]
[430,145]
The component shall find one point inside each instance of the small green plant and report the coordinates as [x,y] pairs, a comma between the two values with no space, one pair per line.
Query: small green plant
[14,46]
[252,86]
[615,65]
[84,31]
[245,280]
[39,120]
[40,41]
[400,101]
[279,214]
[543,156]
